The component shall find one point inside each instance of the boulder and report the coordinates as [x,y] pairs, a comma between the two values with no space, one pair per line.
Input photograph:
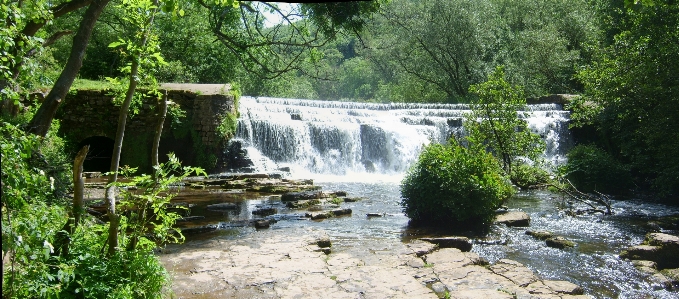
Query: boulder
[559,242]
[370,215]
[461,243]
[339,193]
[222,206]
[306,195]
[352,199]
[301,204]
[341,212]
[319,215]
[663,249]
[262,224]
[323,242]
[649,267]
[662,281]
[513,218]
[672,275]
[265,211]
[540,234]
[663,240]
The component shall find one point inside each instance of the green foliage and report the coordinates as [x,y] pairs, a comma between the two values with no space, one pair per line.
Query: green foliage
[149,221]
[632,86]
[136,150]
[494,122]
[15,45]
[451,184]
[22,181]
[592,169]
[33,214]
[33,168]
[227,128]
[27,234]
[35,270]
[525,175]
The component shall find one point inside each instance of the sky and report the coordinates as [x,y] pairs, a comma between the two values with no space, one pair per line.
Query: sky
[274,18]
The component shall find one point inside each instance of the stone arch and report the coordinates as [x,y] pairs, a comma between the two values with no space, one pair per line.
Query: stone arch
[99,156]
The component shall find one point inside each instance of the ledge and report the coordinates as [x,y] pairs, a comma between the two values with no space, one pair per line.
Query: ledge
[203,89]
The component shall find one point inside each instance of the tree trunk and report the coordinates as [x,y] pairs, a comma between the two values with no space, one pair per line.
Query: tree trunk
[79,185]
[62,240]
[114,219]
[42,119]
[162,111]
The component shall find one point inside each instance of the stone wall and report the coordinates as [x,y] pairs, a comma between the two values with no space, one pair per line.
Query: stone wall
[195,139]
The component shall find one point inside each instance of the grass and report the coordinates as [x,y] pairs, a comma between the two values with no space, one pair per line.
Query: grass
[86,84]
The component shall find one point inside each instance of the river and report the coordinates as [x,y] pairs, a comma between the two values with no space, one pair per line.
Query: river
[364,149]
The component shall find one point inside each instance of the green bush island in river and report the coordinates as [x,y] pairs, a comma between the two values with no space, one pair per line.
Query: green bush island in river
[451,184]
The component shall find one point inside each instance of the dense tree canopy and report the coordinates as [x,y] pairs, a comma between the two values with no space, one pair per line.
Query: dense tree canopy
[632,94]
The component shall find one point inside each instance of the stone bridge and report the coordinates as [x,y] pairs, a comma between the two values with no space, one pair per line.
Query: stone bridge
[197,139]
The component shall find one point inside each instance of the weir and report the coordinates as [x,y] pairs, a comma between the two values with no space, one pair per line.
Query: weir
[344,138]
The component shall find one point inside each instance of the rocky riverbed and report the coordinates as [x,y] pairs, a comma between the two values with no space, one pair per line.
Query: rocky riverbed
[268,264]
[261,236]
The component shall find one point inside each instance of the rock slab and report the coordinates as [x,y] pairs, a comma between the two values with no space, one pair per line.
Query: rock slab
[513,218]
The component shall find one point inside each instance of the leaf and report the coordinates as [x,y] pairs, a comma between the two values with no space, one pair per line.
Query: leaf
[119,43]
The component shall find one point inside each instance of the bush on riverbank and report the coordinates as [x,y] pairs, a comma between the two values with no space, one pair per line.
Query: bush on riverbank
[452,185]
[35,178]
[592,169]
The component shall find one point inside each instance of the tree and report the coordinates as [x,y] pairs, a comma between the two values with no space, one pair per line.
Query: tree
[142,49]
[494,122]
[240,27]
[19,40]
[632,97]
[42,119]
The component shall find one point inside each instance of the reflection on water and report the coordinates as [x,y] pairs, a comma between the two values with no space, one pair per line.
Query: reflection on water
[592,264]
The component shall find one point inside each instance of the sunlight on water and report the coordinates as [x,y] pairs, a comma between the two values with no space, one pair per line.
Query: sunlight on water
[366,148]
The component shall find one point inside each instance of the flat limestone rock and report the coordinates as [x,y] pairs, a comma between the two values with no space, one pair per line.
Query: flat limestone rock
[663,249]
[421,248]
[640,252]
[453,257]
[480,294]
[660,239]
[514,271]
[559,242]
[672,274]
[513,218]
[564,287]
[540,234]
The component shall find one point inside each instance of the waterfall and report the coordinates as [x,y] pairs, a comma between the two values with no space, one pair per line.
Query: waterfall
[341,138]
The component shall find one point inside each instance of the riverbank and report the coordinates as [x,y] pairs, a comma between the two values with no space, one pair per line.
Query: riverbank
[290,264]
[235,259]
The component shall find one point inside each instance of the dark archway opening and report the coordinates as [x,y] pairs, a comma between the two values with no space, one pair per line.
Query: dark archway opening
[99,156]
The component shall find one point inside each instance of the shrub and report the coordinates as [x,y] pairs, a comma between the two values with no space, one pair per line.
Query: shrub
[526,176]
[592,169]
[34,214]
[450,184]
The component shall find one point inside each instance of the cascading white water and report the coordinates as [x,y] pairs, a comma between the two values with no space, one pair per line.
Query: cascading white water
[341,138]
